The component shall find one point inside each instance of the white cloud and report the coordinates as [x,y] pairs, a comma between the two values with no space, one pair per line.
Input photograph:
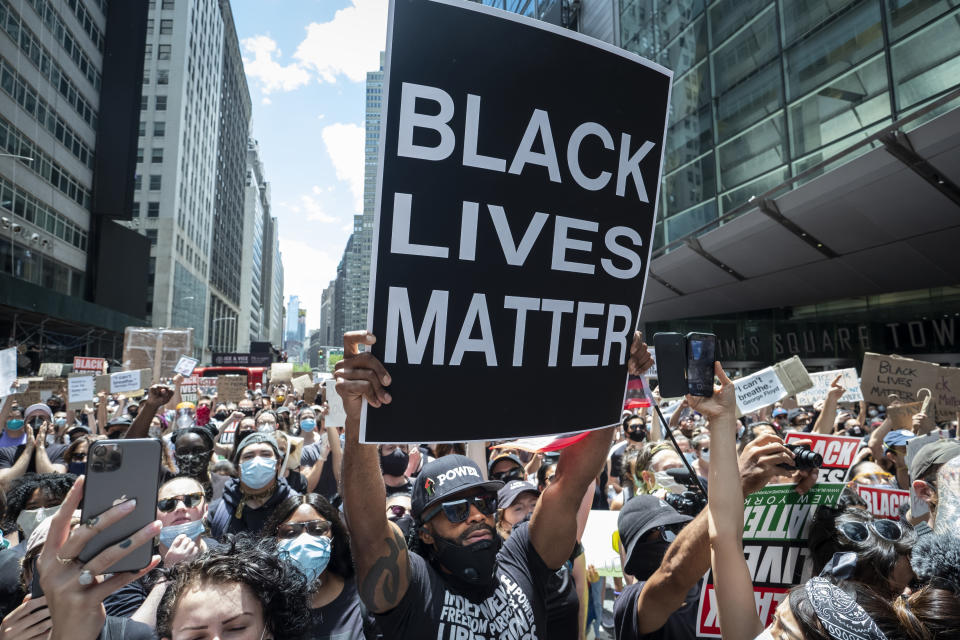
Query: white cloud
[349,45]
[266,101]
[306,271]
[344,144]
[272,75]
[313,210]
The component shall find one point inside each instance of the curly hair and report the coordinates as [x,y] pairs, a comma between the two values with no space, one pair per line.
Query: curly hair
[340,563]
[876,556]
[53,485]
[277,585]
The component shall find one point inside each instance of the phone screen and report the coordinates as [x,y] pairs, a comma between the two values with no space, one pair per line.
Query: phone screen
[700,363]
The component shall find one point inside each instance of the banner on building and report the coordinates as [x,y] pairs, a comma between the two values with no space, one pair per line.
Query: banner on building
[514,222]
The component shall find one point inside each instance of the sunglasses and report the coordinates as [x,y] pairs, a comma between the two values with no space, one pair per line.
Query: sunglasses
[858,532]
[190,500]
[664,534]
[294,529]
[506,476]
[397,511]
[459,510]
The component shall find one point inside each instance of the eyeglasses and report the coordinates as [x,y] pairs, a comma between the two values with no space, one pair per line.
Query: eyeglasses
[858,531]
[665,534]
[506,476]
[871,478]
[190,500]
[459,510]
[294,529]
[397,511]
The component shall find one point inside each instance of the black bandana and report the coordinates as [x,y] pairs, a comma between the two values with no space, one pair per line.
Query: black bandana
[840,614]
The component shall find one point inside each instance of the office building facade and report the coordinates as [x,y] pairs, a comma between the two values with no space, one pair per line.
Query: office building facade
[254,323]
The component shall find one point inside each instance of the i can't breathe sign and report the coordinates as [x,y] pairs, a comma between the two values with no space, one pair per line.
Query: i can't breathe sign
[520,165]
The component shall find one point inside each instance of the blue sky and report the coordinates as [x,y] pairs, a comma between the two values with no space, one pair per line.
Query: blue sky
[306,63]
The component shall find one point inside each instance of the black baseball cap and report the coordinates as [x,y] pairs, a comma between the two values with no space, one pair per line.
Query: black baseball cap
[512,489]
[504,456]
[932,454]
[640,515]
[444,477]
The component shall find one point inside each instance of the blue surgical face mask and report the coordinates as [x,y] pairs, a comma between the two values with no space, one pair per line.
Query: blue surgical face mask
[190,529]
[308,424]
[310,553]
[15,424]
[257,472]
[691,457]
[705,456]
[60,422]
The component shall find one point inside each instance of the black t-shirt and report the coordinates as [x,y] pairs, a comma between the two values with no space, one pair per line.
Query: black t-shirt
[616,457]
[342,619]
[681,625]
[124,629]
[9,455]
[327,485]
[432,608]
[406,488]
[11,595]
[563,605]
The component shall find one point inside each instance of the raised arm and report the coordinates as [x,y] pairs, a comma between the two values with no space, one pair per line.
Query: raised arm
[553,528]
[876,439]
[828,416]
[21,464]
[157,396]
[734,590]
[335,453]
[378,547]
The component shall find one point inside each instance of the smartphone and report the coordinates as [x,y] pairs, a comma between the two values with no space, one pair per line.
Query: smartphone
[36,591]
[671,356]
[118,470]
[701,358]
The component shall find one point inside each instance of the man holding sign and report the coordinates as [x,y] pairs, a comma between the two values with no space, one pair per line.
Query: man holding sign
[461,579]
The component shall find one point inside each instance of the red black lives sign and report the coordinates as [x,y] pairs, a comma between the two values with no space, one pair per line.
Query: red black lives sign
[519,173]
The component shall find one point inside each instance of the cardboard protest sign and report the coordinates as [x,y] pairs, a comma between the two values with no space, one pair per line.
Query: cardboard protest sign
[883,502]
[186,365]
[337,417]
[901,415]
[46,388]
[884,375]
[281,372]
[8,369]
[54,369]
[513,223]
[838,453]
[80,391]
[231,388]
[777,522]
[310,394]
[821,385]
[83,364]
[301,382]
[127,382]
[188,389]
[156,349]
[597,542]
[946,393]
[22,399]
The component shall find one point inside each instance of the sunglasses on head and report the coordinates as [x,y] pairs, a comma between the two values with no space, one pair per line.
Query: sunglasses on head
[506,476]
[459,510]
[294,529]
[190,500]
[858,531]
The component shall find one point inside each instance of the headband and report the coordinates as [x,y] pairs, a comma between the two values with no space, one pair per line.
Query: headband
[839,613]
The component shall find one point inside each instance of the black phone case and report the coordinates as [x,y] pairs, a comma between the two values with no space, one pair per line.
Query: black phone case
[700,371]
[112,480]
[671,357]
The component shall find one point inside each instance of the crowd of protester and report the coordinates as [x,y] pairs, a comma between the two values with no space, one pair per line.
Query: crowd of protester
[271,524]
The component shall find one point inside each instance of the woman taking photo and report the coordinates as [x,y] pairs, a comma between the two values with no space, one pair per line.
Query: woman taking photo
[311,535]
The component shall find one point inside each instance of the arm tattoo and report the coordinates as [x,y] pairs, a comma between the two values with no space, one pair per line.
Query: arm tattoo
[948,497]
[381,586]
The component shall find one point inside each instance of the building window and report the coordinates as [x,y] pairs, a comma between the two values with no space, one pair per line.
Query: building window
[143,103]
[166,27]
[161,103]
[140,154]
[152,236]
[156,155]
[137,182]
[153,209]
[155,182]
[163,76]
[159,129]
[163,52]
[146,76]
[150,25]
[168,4]
[148,51]
[143,128]
[135,211]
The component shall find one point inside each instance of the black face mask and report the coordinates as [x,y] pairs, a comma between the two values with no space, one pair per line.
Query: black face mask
[395,463]
[637,435]
[221,415]
[248,412]
[647,557]
[192,464]
[471,567]
[116,435]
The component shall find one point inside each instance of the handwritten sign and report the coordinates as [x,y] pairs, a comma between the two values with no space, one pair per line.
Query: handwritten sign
[83,364]
[80,390]
[124,381]
[186,365]
[885,375]
[946,393]
[231,388]
[821,385]
[883,502]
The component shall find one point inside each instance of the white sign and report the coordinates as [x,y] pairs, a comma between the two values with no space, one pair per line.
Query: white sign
[821,385]
[598,543]
[124,381]
[758,390]
[8,369]
[337,416]
[652,371]
[186,366]
[80,389]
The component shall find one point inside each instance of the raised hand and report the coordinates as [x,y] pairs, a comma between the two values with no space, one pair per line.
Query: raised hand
[640,358]
[360,376]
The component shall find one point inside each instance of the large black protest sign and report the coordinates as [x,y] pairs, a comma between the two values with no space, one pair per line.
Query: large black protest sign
[519,175]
